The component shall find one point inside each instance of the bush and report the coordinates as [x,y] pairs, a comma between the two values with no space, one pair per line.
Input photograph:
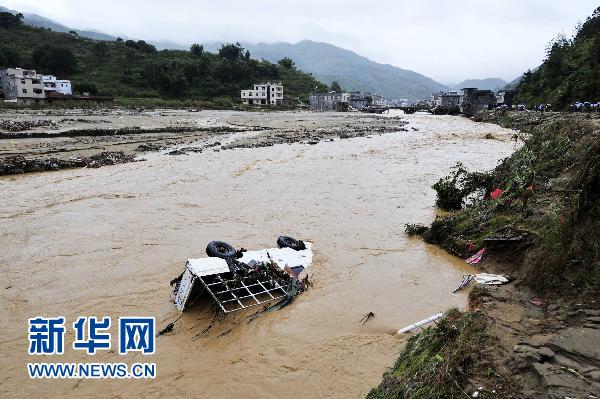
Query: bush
[414,229]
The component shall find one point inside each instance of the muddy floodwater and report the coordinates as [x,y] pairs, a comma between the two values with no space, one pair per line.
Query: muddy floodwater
[97,242]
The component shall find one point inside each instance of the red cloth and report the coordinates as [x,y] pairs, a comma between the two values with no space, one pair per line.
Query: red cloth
[496,193]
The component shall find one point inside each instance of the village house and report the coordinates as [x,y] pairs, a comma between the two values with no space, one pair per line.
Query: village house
[332,101]
[23,86]
[475,100]
[445,99]
[264,94]
[359,100]
[60,86]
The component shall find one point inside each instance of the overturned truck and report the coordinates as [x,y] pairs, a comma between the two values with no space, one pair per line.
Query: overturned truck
[239,279]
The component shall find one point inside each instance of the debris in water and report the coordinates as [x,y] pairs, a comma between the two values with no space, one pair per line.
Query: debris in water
[367,317]
[238,280]
[420,323]
[167,329]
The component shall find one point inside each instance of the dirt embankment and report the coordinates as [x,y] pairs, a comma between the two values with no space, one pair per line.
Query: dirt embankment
[540,334]
[51,140]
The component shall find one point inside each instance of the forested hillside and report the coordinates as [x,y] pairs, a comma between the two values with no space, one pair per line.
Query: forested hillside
[571,70]
[136,69]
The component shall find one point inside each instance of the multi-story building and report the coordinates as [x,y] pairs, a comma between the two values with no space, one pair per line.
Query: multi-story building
[445,99]
[264,94]
[60,86]
[24,86]
[475,100]
[359,100]
[332,101]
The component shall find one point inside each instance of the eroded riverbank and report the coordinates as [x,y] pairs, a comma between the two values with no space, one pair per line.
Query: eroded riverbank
[107,241]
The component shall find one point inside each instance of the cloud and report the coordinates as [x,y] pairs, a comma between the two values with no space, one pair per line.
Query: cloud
[446,40]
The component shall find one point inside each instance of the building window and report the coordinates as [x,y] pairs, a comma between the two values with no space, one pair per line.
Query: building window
[23,81]
[24,91]
[37,91]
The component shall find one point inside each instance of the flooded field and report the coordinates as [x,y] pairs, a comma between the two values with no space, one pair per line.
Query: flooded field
[107,241]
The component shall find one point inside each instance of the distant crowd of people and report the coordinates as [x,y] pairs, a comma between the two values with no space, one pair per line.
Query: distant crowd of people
[585,107]
[577,107]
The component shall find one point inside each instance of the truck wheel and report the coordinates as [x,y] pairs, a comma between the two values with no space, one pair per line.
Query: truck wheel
[289,242]
[220,249]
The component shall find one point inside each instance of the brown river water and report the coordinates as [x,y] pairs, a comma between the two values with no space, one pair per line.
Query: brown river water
[96,242]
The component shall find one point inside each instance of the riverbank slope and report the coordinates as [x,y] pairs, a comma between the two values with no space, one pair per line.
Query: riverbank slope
[537,337]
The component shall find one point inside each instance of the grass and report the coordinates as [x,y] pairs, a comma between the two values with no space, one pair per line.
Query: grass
[436,363]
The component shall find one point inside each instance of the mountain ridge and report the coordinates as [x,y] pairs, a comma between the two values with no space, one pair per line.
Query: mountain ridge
[43,22]
[325,61]
[352,71]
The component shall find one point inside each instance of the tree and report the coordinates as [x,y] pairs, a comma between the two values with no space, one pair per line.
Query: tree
[286,63]
[140,45]
[335,86]
[9,20]
[231,52]
[197,49]
[119,40]
[54,59]
[73,33]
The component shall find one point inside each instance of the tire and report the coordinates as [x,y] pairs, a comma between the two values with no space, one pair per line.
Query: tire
[289,242]
[220,249]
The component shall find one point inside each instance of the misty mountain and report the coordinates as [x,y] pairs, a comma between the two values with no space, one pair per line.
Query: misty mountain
[42,22]
[354,72]
[325,61]
[482,84]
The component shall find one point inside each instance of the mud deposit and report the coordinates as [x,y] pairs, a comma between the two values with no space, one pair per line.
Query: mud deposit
[107,241]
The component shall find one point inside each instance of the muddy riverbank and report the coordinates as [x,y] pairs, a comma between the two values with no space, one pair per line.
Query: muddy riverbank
[107,241]
[538,336]
[67,138]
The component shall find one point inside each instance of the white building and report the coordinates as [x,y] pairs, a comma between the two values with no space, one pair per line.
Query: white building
[61,86]
[24,86]
[264,94]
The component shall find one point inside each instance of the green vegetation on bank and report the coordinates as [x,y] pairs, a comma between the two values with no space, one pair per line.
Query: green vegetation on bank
[550,198]
[436,363]
[570,72]
[135,69]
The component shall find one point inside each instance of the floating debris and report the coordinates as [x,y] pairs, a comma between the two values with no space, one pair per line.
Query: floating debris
[238,280]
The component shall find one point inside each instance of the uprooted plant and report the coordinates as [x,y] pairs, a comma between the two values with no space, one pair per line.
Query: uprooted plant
[453,189]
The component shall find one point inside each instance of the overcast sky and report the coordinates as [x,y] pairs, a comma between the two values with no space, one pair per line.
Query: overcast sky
[446,40]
